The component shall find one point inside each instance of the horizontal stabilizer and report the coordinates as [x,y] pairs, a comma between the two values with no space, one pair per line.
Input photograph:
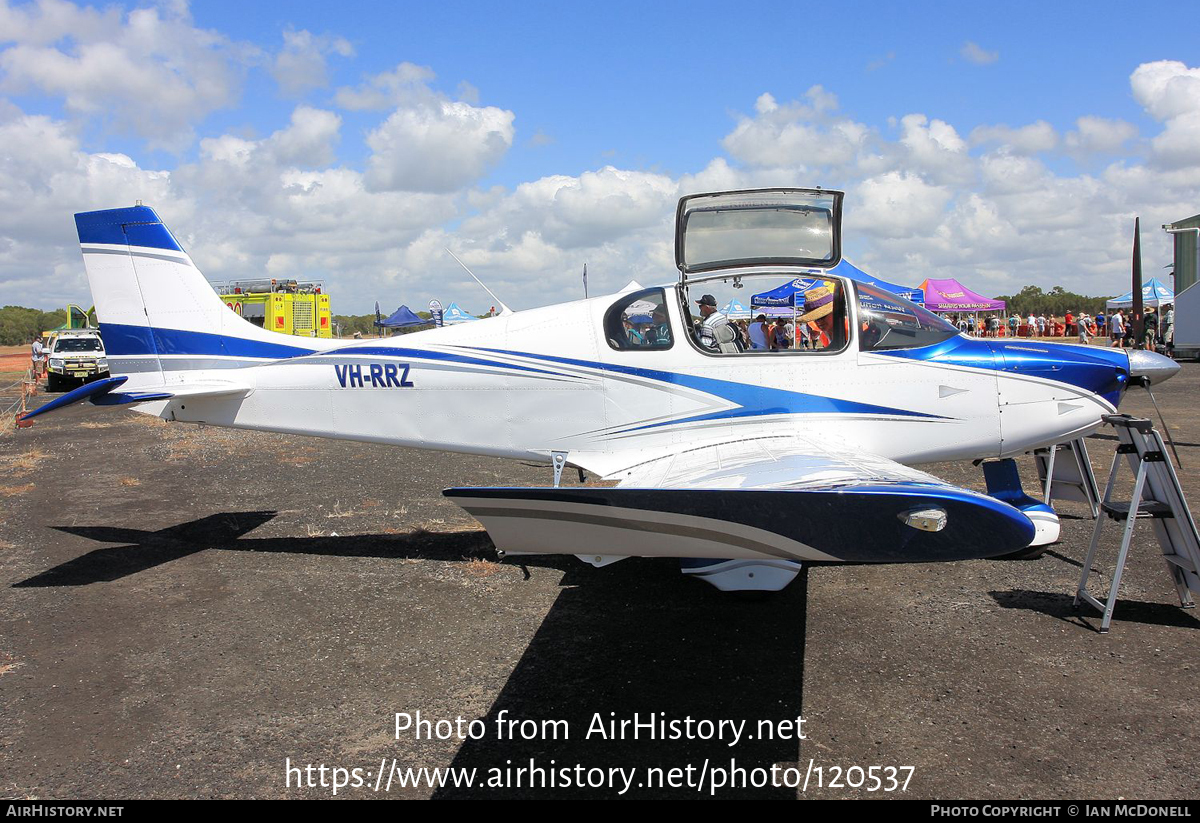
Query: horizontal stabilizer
[99,388]
[101,393]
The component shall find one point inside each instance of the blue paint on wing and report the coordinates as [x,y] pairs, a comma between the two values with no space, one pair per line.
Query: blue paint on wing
[93,390]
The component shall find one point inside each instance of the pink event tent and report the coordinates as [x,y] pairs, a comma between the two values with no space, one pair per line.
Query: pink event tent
[950,295]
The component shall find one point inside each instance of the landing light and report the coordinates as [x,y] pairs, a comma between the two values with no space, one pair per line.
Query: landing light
[927,520]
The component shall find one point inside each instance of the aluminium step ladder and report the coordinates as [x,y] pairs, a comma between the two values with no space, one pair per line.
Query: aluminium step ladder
[1065,472]
[1156,496]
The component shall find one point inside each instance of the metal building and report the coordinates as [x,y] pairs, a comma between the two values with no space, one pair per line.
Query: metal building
[1186,235]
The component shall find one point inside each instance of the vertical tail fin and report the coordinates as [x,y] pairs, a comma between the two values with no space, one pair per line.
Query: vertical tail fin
[157,313]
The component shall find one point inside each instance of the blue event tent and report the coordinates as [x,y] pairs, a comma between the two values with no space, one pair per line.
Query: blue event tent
[1154,293]
[401,318]
[455,314]
[848,269]
[791,294]
[734,309]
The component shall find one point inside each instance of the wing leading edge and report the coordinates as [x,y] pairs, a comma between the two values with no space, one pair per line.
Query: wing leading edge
[786,498]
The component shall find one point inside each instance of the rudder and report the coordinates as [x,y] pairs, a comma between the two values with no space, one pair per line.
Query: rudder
[157,313]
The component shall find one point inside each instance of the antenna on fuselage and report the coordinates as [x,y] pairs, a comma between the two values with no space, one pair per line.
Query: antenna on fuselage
[503,308]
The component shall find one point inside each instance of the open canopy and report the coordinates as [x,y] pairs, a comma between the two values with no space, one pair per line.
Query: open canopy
[763,227]
[454,314]
[951,296]
[402,317]
[1154,293]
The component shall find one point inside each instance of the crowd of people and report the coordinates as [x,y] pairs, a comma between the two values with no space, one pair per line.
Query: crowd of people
[822,326]
[815,329]
[1115,328]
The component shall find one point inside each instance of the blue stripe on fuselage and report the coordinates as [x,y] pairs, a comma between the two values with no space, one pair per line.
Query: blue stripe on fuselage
[122,340]
[755,401]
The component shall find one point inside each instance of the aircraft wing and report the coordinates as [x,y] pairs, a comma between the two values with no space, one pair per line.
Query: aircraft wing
[797,498]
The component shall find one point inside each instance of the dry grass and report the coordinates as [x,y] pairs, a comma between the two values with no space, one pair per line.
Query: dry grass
[20,464]
[313,531]
[129,481]
[300,456]
[479,567]
[296,461]
[338,512]
[90,424]
[13,491]
[183,449]
[8,663]
[146,420]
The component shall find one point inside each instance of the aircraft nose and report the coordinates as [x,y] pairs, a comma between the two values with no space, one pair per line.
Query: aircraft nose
[1151,367]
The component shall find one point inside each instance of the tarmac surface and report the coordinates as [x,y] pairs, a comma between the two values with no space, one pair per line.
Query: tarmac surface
[186,611]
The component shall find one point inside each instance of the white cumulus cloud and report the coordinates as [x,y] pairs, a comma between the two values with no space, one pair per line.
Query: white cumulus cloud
[302,63]
[437,147]
[149,72]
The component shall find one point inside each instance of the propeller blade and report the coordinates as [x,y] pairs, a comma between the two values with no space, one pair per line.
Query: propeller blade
[1139,320]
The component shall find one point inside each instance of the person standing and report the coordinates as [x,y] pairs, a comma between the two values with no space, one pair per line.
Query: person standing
[780,339]
[38,355]
[1167,331]
[819,304]
[717,333]
[758,334]
[1116,325]
[1150,331]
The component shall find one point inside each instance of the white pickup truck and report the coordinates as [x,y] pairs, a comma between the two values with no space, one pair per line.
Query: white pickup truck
[76,357]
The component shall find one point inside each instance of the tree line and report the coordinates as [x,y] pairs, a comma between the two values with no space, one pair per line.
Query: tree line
[1058,301]
[18,324]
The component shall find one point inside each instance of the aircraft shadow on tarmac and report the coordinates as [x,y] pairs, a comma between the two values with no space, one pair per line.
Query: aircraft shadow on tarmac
[615,644]
[144,550]
[1061,606]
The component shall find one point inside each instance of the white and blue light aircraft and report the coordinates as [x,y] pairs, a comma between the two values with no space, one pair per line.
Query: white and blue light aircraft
[743,463]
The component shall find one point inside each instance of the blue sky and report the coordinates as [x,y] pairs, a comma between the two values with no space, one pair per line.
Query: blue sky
[525,128]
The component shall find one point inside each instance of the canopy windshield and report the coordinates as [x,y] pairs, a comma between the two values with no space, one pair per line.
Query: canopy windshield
[775,227]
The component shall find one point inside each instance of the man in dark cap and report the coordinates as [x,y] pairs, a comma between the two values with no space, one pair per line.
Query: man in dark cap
[716,332]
